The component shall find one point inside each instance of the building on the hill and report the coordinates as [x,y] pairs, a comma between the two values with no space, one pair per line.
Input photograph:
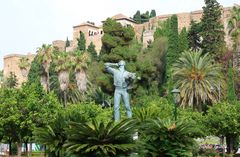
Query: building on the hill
[124,20]
[95,33]
[92,34]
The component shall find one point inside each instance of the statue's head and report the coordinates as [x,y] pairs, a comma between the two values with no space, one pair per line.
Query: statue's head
[121,63]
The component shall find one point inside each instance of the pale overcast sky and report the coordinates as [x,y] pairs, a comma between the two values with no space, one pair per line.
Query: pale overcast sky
[27,24]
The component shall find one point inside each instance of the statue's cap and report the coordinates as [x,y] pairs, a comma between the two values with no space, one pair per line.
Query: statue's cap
[121,63]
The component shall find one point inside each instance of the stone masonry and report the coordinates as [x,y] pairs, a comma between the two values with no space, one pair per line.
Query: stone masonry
[11,64]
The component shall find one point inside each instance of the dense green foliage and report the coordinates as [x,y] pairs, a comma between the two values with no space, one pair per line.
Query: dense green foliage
[152,13]
[137,17]
[194,35]
[115,35]
[11,81]
[183,40]
[144,17]
[223,120]
[35,71]
[173,42]
[151,66]
[24,109]
[212,30]
[81,42]
[169,29]
[93,53]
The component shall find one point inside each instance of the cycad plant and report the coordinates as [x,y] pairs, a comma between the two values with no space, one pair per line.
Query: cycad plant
[45,57]
[198,78]
[98,139]
[63,68]
[168,138]
[24,64]
[81,61]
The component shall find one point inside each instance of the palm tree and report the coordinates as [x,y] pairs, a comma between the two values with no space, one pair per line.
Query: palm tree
[234,31]
[23,64]
[198,79]
[45,56]
[62,67]
[99,139]
[81,61]
[168,138]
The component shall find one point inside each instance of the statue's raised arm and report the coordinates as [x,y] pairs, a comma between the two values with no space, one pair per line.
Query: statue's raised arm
[109,68]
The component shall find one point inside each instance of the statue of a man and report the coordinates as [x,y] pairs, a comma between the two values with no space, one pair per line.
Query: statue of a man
[121,78]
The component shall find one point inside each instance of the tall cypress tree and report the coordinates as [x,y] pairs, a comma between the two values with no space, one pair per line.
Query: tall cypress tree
[91,49]
[212,29]
[145,17]
[173,51]
[81,42]
[67,43]
[194,35]
[153,13]
[183,40]
[137,17]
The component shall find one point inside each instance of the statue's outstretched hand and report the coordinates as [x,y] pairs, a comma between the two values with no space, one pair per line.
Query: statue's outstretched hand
[133,75]
[111,64]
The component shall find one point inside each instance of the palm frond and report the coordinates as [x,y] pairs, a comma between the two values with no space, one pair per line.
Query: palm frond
[198,78]
[100,138]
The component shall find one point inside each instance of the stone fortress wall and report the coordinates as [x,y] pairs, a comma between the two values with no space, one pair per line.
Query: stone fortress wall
[184,20]
[11,64]
[94,34]
[149,27]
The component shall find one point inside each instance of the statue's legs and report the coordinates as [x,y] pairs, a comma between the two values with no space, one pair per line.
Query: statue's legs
[126,102]
[119,92]
[117,98]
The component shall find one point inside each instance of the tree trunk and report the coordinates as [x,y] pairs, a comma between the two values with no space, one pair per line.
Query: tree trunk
[19,149]
[65,98]
[230,139]
[45,150]
[10,148]
[43,81]
[63,78]
[26,149]
[81,79]
[48,82]
[46,66]
[30,149]
[24,72]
